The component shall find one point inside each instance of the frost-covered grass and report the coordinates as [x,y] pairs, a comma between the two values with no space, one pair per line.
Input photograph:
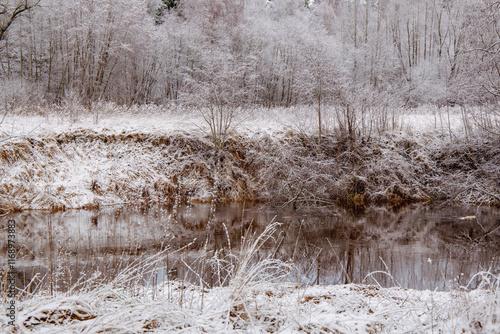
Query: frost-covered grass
[144,155]
[272,308]
[254,299]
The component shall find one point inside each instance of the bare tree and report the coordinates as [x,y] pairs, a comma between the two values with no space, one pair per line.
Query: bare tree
[220,117]
[11,10]
[217,88]
[319,75]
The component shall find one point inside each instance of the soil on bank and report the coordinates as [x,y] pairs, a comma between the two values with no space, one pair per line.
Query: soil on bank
[89,169]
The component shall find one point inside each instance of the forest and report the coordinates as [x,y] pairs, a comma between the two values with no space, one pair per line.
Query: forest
[349,54]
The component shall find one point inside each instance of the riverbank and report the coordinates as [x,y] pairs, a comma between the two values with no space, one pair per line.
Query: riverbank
[254,293]
[51,163]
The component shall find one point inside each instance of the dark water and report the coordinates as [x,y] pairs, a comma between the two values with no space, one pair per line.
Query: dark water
[419,247]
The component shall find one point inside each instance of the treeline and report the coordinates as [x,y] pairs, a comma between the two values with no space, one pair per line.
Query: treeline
[270,53]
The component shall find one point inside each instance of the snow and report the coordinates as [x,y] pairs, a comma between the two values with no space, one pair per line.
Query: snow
[162,120]
[176,307]
[148,154]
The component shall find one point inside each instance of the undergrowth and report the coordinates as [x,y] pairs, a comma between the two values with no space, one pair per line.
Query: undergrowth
[89,169]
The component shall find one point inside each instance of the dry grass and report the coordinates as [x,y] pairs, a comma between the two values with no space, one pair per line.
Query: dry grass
[86,168]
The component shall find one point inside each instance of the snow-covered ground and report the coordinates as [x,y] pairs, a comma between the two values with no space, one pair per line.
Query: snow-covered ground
[157,120]
[149,155]
[266,308]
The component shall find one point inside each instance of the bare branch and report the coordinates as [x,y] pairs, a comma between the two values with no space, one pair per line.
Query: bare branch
[9,16]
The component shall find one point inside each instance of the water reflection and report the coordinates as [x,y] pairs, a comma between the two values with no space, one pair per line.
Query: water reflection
[418,247]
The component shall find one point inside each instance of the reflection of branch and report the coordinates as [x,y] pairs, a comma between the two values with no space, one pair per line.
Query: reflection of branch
[493,229]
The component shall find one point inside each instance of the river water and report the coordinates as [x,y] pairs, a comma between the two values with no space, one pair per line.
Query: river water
[419,247]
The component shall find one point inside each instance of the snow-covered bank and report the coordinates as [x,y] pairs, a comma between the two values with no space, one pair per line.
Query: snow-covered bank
[267,308]
[54,164]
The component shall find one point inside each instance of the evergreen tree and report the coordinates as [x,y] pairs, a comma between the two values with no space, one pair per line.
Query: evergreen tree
[167,5]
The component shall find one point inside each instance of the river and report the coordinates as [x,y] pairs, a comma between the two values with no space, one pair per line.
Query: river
[420,247]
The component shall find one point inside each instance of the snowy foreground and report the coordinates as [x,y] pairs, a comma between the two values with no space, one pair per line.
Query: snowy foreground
[273,308]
